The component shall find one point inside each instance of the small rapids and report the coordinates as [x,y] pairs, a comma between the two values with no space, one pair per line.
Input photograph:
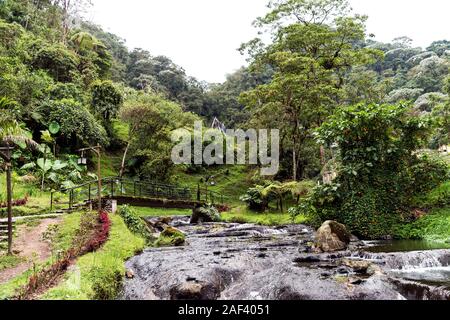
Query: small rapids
[229,261]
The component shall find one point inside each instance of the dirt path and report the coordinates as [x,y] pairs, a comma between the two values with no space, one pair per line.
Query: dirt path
[30,243]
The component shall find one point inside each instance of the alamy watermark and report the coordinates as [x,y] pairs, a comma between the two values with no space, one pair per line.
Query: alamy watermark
[228,147]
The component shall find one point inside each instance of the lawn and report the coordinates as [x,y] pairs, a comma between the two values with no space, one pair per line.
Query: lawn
[242,214]
[159,212]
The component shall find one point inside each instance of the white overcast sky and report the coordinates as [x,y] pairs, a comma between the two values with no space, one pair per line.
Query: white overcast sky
[202,35]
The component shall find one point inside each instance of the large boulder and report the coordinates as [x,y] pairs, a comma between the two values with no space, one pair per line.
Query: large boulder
[332,236]
[202,214]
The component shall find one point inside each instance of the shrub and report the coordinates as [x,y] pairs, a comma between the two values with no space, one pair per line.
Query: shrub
[379,172]
[78,125]
[255,200]
[134,222]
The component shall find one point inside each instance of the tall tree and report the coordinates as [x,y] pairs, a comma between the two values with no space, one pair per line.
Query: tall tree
[310,58]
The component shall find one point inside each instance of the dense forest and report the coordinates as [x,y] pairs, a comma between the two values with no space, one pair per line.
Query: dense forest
[362,123]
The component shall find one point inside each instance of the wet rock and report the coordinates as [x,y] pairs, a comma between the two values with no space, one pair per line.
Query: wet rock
[194,291]
[332,236]
[197,270]
[307,259]
[355,281]
[358,266]
[343,270]
[158,224]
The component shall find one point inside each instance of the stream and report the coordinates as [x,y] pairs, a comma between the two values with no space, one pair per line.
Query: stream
[229,261]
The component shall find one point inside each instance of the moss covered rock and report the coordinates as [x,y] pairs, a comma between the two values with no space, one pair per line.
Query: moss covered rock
[171,237]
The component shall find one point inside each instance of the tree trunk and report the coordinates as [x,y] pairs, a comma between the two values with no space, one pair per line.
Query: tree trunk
[122,167]
[294,165]
[322,156]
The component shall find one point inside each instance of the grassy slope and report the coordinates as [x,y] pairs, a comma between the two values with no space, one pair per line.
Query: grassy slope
[231,181]
[62,241]
[38,203]
[98,275]
[435,226]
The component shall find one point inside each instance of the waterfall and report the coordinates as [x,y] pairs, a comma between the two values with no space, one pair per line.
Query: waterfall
[408,260]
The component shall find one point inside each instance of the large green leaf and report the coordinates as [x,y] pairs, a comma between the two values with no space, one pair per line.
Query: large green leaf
[58,165]
[45,166]
[28,166]
[67,184]
[53,177]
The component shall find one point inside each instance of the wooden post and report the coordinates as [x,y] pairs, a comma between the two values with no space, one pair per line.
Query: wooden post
[97,150]
[51,201]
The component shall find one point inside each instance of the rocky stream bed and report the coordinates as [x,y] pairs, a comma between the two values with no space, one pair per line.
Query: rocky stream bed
[249,262]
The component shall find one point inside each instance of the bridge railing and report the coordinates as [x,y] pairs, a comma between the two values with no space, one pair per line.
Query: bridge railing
[114,187]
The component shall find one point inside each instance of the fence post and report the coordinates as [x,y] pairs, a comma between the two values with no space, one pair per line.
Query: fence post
[134,188]
[71,199]
[51,201]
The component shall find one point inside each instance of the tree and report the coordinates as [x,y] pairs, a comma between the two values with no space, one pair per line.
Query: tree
[310,58]
[106,101]
[78,127]
[440,47]
[70,9]
[151,119]
[11,130]
[379,169]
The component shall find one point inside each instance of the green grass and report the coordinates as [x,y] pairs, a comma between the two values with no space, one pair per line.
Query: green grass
[7,262]
[231,181]
[272,218]
[110,164]
[437,197]
[160,212]
[38,201]
[434,227]
[99,275]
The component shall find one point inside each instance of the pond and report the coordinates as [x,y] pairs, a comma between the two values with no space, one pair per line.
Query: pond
[404,246]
